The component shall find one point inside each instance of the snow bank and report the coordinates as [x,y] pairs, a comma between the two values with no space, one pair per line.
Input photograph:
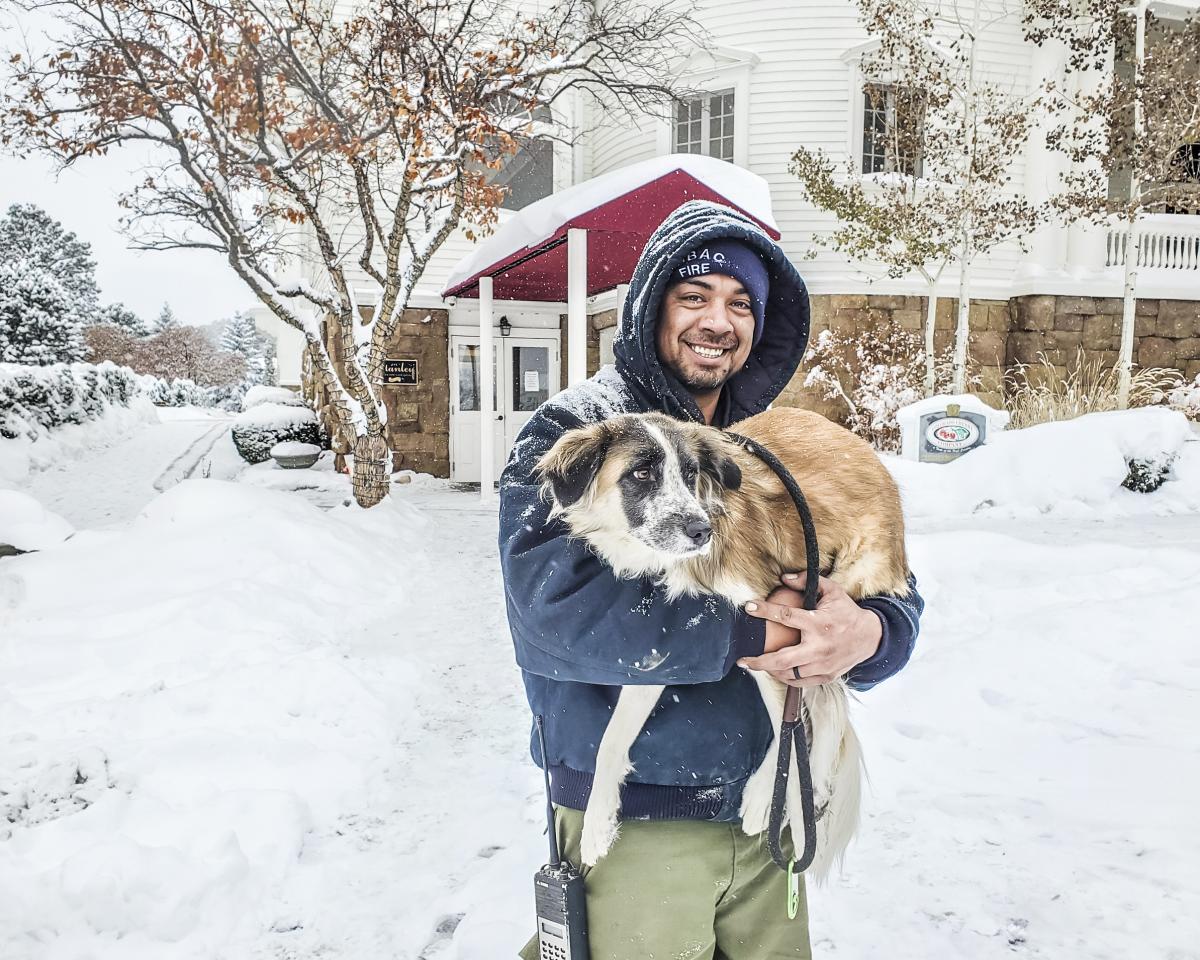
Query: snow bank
[262,394]
[24,454]
[1067,467]
[27,525]
[270,416]
[294,448]
[179,719]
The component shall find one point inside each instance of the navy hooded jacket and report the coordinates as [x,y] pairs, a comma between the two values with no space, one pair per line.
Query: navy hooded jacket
[580,632]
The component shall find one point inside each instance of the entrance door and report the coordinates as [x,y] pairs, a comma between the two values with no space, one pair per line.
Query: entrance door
[526,374]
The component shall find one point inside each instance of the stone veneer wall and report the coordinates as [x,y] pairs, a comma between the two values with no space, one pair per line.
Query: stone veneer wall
[1005,333]
[1166,332]
[418,427]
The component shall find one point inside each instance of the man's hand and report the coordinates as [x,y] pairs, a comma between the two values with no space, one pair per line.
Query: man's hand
[832,639]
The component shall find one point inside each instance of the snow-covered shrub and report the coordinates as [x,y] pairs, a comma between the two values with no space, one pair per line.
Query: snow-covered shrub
[265,394]
[875,373]
[34,399]
[1186,399]
[1038,393]
[257,430]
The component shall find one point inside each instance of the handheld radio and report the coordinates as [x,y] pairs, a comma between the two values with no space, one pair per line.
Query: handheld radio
[558,894]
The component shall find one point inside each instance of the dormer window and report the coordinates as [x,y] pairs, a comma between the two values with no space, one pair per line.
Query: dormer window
[705,125]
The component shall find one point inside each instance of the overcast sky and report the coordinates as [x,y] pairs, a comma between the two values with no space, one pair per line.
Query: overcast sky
[199,286]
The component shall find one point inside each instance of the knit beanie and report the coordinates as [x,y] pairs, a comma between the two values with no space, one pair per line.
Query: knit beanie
[733,259]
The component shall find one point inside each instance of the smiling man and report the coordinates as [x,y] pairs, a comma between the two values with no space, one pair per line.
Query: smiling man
[714,327]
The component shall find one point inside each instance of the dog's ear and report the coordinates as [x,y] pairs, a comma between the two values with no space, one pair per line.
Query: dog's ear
[719,466]
[573,462]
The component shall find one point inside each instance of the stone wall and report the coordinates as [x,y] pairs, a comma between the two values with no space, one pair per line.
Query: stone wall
[1007,332]
[418,417]
[1166,332]
[593,344]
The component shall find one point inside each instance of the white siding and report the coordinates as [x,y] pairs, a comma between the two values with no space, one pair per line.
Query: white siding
[800,94]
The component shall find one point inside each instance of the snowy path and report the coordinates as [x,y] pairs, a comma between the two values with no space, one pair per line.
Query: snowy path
[112,484]
[256,730]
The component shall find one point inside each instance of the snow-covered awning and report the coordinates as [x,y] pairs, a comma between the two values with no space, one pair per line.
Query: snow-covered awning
[527,255]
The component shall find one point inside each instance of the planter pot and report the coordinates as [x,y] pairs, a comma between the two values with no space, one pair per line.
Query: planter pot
[294,455]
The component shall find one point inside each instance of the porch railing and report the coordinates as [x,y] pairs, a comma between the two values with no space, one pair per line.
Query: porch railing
[1165,242]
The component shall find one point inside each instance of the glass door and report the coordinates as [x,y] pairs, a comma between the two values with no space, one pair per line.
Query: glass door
[526,375]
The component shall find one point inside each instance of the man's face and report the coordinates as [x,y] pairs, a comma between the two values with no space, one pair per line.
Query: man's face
[705,331]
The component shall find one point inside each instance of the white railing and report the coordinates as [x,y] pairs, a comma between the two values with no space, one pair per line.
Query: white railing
[1166,242]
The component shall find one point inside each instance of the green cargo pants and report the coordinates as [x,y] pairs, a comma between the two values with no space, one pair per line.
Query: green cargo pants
[684,890]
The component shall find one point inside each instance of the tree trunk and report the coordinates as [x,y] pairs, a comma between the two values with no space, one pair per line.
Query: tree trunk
[930,323]
[962,330]
[371,478]
[1128,310]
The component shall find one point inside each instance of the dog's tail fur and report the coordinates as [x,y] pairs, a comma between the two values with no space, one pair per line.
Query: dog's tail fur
[841,754]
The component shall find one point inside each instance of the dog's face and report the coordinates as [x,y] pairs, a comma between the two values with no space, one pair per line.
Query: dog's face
[646,477]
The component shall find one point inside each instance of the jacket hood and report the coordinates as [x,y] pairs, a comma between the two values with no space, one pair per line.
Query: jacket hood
[772,361]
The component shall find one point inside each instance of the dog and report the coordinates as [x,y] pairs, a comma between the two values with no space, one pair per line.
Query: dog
[686,505]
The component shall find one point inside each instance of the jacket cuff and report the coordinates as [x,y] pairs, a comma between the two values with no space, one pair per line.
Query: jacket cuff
[748,640]
[895,645]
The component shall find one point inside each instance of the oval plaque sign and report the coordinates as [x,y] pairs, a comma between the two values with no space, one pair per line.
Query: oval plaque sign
[951,434]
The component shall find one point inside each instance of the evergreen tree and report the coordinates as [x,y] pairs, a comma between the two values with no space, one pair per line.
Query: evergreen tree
[118,315]
[38,322]
[240,335]
[165,320]
[30,235]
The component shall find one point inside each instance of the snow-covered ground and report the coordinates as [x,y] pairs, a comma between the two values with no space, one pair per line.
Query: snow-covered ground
[106,471]
[241,725]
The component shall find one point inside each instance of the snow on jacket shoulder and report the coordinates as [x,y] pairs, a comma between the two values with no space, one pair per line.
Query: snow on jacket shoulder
[580,632]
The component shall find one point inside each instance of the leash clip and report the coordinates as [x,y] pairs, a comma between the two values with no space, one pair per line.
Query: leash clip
[793,889]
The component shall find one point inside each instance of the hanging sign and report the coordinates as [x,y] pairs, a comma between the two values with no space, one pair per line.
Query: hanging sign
[401,371]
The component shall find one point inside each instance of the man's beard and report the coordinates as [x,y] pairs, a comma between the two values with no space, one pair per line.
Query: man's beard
[701,382]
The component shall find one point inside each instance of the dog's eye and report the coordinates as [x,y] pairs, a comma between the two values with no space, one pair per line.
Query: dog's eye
[642,475]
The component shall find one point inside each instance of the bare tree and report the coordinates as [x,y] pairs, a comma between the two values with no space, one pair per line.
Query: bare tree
[175,353]
[1132,131]
[944,148]
[359,140]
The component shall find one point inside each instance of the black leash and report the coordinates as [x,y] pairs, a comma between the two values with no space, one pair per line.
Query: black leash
[791,732]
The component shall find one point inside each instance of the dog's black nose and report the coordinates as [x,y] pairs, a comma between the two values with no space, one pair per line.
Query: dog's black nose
[698,531]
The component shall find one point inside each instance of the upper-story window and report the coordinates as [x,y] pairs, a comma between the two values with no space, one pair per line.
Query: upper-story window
[704,124]
[893,118]
[528,174]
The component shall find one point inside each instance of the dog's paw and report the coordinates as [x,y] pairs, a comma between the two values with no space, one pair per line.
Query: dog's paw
[756,800]
[597,840]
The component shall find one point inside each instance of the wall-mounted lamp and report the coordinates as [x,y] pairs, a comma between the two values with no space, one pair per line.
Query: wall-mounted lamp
[505,327]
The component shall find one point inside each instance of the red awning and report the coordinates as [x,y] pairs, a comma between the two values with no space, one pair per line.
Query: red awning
[618,229]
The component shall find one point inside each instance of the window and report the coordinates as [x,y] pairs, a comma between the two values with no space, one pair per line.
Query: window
[528,174]
[704,125]
[893,118]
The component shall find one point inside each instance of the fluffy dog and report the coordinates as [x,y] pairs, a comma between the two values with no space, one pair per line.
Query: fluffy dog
[684,504]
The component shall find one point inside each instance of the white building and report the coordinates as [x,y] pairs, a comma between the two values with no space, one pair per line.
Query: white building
[781,74]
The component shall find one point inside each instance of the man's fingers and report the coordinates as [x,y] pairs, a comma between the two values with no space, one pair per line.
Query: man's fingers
[826,589]
[813,681]
[780,613]
[782,661]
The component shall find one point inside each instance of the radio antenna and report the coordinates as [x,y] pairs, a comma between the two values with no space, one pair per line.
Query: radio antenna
[554,857]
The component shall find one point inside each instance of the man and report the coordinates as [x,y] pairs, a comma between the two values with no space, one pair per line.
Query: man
[714,327]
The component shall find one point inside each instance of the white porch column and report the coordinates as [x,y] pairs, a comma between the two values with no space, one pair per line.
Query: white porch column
[1043,170]
[487,413]
[576,306]
[1087,243]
